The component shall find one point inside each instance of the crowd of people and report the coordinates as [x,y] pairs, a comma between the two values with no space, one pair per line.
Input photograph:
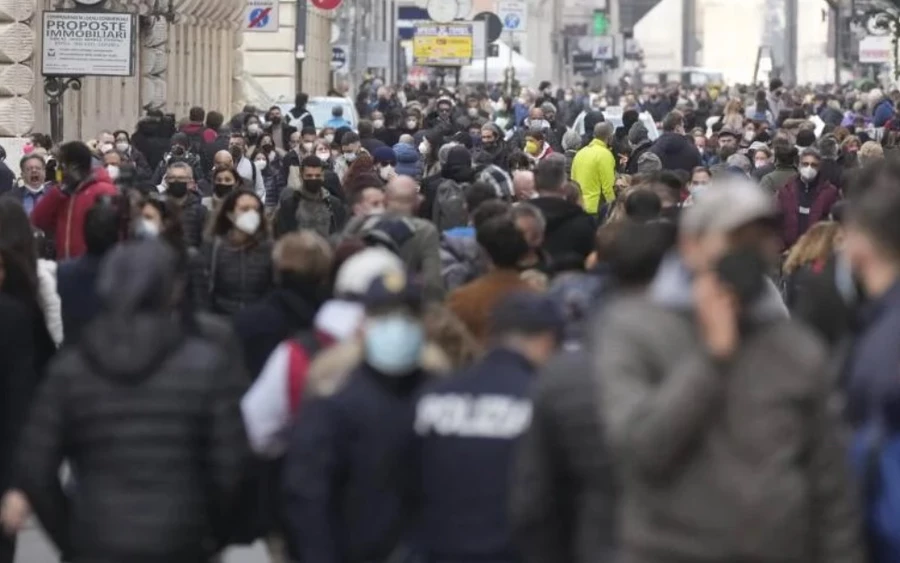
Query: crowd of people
[461,331]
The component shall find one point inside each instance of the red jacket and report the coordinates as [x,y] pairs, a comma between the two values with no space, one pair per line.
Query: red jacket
[62,215]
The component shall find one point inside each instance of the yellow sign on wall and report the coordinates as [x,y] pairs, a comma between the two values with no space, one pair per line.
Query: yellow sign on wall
[442,44]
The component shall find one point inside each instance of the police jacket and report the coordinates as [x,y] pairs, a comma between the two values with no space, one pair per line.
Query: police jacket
[468,427]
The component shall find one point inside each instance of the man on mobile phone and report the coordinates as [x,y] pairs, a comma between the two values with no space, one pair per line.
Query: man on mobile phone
[716,405]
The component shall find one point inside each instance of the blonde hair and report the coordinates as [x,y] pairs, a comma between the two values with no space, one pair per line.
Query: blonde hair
[815,245]
[870,151]
[304,253]
[451,335]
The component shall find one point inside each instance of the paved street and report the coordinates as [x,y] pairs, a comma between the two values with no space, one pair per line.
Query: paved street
[34,548]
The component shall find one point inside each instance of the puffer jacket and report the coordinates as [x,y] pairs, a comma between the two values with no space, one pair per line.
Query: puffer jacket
[149,415]
[234,278]
[461,261]
[193,219]
[722,461]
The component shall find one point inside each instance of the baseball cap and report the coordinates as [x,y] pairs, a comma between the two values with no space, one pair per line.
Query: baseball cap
[527,313]
[393,289]
[729,203]
[356,274]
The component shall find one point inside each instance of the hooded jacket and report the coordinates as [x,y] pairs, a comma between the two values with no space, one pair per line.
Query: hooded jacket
[408,161]
[62,215]
[149,415]
[676,152]
[722,461]
[570,230]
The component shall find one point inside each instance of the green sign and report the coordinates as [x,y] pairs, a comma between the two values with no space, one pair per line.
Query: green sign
[601,23]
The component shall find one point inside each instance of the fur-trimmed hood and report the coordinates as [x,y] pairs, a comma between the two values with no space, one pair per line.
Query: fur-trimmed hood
[331,367]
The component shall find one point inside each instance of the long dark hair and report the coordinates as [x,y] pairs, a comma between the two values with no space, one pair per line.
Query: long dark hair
[20,279]
[16,233]
[222,224]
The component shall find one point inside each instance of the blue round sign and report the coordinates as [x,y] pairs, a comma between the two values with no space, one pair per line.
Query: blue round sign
[512,21]
[259,17]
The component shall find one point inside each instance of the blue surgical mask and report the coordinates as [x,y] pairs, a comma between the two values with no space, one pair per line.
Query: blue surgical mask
[393,344]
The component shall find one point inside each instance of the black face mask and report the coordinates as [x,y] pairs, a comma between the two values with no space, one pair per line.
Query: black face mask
[743,270]
[237,153]
[222,190]
[178,150]
[177,189]
[275,120]
[313,185]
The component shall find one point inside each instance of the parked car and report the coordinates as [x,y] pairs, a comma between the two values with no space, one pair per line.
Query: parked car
[320,108]
[613,115]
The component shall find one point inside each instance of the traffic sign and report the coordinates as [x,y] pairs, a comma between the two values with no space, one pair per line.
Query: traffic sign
[513,14]
[261,15]
[326,4]
[493,23]
[604,48]
[339,58]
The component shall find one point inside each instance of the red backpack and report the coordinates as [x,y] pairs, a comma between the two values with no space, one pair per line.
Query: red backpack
[303,349]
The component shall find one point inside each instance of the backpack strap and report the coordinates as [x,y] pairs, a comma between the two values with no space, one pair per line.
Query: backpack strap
[302,349]
[213,266]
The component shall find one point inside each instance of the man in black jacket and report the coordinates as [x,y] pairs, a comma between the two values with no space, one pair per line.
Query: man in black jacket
[181,187]
[300,116]
[570,230]
[149,415]
[673,148]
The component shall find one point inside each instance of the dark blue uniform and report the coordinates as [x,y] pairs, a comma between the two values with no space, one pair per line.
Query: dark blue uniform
[347,478]
[468,427]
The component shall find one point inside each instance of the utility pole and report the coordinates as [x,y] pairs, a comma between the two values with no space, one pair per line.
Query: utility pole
[790,43]
[689,33]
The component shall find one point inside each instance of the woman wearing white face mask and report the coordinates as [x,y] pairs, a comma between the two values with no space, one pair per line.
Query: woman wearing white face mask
[237,260]
[274,178]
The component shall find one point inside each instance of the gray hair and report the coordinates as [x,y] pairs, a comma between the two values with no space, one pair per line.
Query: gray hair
[604,131]
[739,161]
[181,165]
[810,151]
[550,174]
[547,107]
[528,211]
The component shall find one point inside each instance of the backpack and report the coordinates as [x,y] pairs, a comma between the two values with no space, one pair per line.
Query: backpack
[457,269]
[450,206]
[303,347]
[196,142]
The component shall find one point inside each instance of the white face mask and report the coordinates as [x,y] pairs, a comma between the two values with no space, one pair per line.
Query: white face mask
[261,165]
[329,138]
[473,112]
[254,129]
[323,155]
[761,163]
[501,106]
[411,124]
[105,148]
[423,148]
[248,222]
[748,136]
[386,172]
[808,173]
[697,188]
[349,156]
[113,171]
[147,229]
[378,123]
[122,146]
[307,147]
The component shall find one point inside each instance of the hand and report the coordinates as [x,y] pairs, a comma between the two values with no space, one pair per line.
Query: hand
[717,315]
[14,511]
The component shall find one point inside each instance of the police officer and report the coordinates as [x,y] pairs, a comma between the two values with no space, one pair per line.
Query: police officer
[468,427]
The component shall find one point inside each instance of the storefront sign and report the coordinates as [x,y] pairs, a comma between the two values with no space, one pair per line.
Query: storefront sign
[442,44]
[88,44]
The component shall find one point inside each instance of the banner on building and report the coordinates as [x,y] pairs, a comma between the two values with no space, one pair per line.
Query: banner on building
[442,44]
[88,44]
[876,49]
